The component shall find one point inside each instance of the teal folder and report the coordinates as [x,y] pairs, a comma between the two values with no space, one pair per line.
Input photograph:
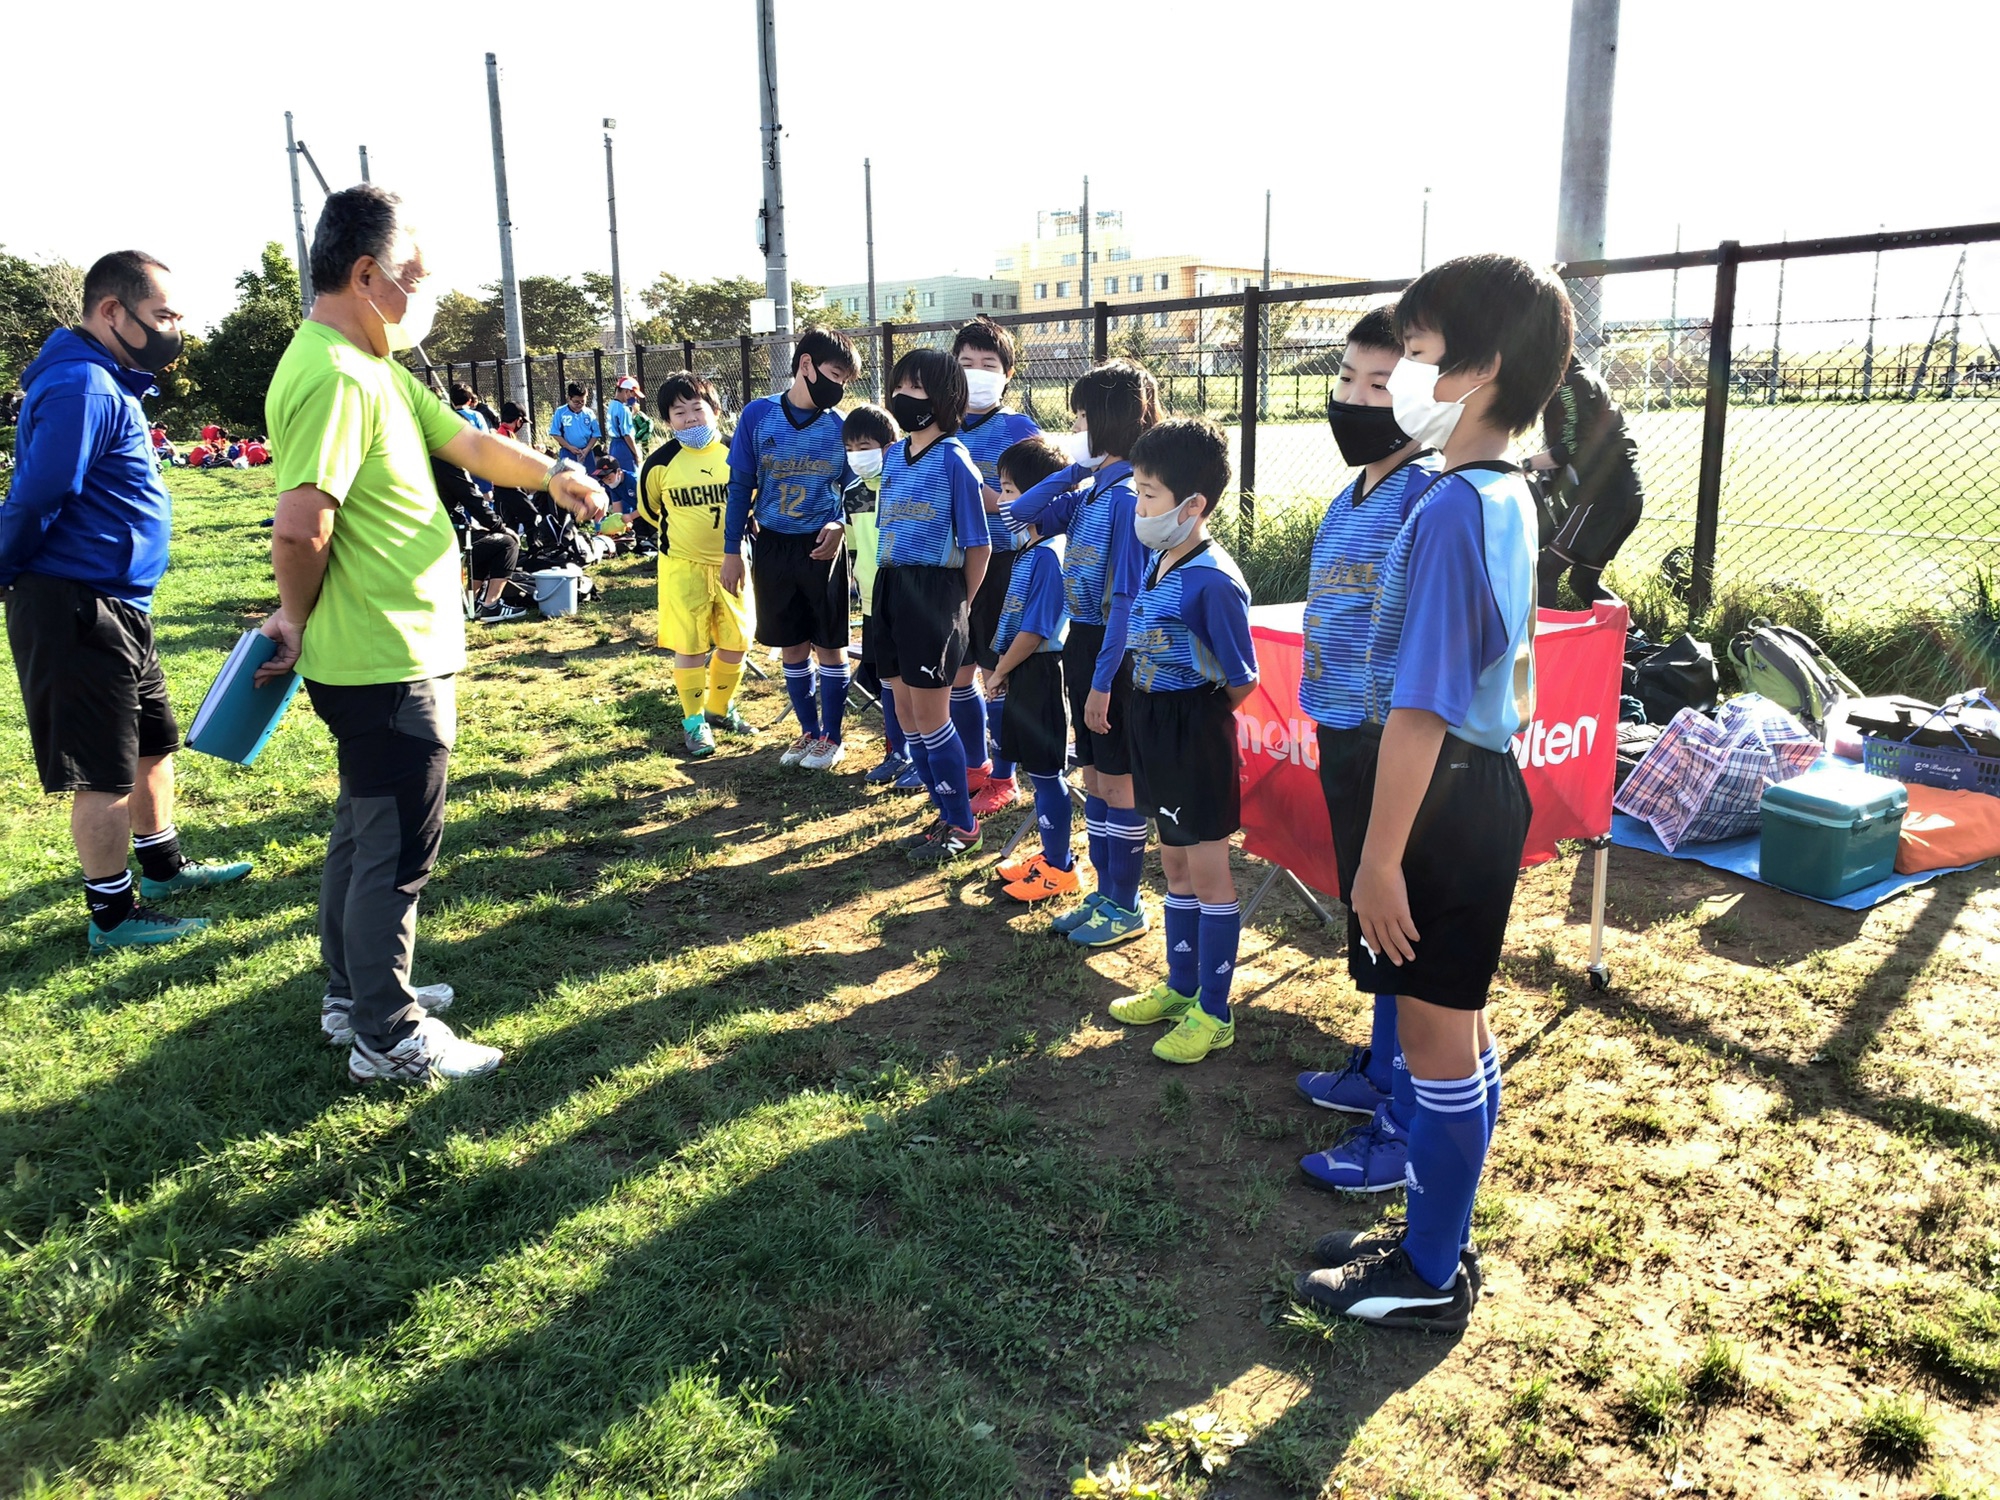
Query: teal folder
[237,717]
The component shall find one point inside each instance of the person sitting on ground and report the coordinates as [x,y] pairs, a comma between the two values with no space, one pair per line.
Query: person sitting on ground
[197,456]
[256,453]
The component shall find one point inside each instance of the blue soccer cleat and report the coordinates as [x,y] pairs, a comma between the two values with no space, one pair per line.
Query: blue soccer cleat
[1370,1159]
[1348,1091]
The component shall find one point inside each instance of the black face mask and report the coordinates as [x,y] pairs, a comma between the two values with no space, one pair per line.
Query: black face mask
[912,413]
[1365,434]
[824,391]
[157,352]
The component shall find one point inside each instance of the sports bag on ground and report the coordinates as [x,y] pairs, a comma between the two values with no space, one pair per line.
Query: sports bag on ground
[1787,667]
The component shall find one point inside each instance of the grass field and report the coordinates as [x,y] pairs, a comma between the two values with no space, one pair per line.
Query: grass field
[810,1175]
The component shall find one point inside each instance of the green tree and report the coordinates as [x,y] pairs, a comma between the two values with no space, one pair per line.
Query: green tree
[705,311]
[36,298]
[234,365]
[557,312]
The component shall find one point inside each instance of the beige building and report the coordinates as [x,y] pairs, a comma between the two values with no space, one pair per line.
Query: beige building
[1054,278]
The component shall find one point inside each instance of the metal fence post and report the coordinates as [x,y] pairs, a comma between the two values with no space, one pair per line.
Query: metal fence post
[687,354]
[597,378]
[1253,306]
[1714,422]
[1101,331]
[743,353]
[528,389]
[562,379]
[888,361]
[639,364]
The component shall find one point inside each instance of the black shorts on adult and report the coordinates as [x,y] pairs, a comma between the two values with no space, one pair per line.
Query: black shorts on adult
[921,630]
[1459,866]
[1596,527]
[91,681]
[801,600]
[1107,752]
[1034,731]
[1184,773]
[986,607]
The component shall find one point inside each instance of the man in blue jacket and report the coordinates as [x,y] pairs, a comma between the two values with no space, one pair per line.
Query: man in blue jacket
[83,544]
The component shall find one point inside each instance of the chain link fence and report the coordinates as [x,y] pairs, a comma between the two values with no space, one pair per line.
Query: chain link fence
[1817,423]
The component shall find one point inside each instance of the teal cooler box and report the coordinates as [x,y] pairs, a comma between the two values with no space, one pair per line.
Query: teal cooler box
[1831,831]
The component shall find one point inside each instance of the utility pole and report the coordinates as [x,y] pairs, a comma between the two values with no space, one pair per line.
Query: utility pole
[868,209]
[1868,353]
[1424,237]
[1085,283]
[1264,321]
[617,280]
[1586,157]
[364,164]
[777,279]
[510,289]
[298,219]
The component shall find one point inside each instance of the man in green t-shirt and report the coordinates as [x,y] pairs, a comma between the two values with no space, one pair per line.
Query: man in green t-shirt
[369,615]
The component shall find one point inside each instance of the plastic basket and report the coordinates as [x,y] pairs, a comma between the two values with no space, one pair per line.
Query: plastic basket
[1962,769]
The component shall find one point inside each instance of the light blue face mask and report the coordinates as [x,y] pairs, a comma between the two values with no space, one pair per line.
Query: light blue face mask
[694,437]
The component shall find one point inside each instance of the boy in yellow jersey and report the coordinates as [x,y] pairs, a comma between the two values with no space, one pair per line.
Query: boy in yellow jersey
[683,491]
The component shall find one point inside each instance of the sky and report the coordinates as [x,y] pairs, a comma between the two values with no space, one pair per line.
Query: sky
[1750,119]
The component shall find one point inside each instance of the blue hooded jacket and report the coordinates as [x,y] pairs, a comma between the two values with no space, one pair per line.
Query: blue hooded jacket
[88,502]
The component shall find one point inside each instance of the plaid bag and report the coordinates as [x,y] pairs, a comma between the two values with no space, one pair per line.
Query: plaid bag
[1705,778]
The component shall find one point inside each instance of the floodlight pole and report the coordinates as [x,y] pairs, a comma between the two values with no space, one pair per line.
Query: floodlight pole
[298,218]
[1673,322]
[1264,321]
[777,278]
[510,289]
[364,164]
[1424,236]
[1085,282]
[1586,157]
[868,208]
[1868,353]
[617,280]
[1777,342]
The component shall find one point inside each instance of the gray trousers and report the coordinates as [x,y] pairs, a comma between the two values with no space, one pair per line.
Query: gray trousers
[394,741]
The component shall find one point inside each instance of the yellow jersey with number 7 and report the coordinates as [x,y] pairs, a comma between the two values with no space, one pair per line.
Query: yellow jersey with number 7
[684,492]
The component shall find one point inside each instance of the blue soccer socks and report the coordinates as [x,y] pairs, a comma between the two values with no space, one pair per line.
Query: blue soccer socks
[1402,1091]
[1489,1072]
[1221,928]
[1447,1151]
[1382,1045]
[1094,809]
[996,715]
[968,717]
[833,683]
[805,703]
[946,753]
[1052,819]
[892,728]
[1183,943]
[1125,851]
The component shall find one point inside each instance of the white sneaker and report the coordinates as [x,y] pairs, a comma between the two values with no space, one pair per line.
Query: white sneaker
[824,755]
[430,1054]
[798,750]
[336,1012]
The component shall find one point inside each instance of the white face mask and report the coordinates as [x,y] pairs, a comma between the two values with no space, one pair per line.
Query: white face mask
[866,462]
[1078,444]
[415,325]
[1162,533]
[1423,417]
[983,389]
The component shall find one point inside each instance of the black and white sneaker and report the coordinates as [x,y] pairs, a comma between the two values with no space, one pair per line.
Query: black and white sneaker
[499,612]
[925,835]
[1387,1291]
[1345,1245]
[949,844]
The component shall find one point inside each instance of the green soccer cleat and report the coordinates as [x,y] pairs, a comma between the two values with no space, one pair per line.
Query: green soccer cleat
[695,736]
[729,721]
[1160,1003]
[1198,1034]
[1108,925]
[193,877]
[144,929]
[1069,921]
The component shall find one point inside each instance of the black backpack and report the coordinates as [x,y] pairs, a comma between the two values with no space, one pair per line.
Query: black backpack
[1678,675]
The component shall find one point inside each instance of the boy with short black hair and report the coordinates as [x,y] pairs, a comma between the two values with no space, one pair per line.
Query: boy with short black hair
[1429,836]
[1093,502]
[1192,663]
[931,553]
[1027,677]
[868,432]
[985,351]
[683,491]
[788,468]
[1347,556]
